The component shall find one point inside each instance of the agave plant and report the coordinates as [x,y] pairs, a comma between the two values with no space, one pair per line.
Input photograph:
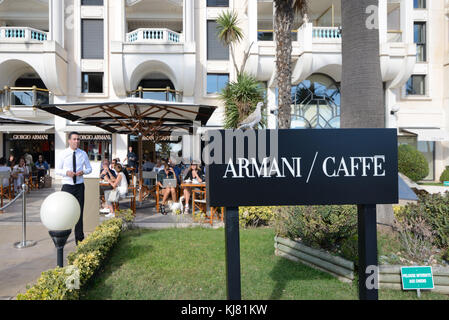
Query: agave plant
[240,98]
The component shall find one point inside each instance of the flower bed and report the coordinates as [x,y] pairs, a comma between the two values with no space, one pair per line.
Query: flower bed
[64,283]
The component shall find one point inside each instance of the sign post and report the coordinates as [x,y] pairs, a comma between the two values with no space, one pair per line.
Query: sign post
[367,237]
[303,167]
[232,253]
[417,278]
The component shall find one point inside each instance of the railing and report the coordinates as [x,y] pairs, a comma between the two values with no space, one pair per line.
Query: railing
[268,35]
[326,33]
[22,34]
[161,94]
[394,36]
[152,35]
[24,96]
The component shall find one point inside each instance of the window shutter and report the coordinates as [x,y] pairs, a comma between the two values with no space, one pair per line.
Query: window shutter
[92,43]
[215,49]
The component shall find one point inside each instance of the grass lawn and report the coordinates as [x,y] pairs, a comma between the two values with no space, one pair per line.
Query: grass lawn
[190,264]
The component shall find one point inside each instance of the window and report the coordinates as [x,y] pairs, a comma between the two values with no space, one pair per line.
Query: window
[92,42]
[218,3]
[92,82]
[215,48]
[216,82]
[420,40]
[416,85]
[419,4]
[91,2]
[316,103]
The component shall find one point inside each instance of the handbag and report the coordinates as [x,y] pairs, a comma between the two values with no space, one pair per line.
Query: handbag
[114,196]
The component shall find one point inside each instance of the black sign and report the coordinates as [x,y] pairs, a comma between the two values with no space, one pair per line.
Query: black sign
[309,167]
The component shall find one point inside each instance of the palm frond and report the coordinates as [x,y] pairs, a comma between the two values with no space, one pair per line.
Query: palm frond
[228,30]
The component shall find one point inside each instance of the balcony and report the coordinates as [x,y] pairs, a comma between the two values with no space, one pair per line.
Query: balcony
[12,97]
[22,34]
[162,94]
[155,36]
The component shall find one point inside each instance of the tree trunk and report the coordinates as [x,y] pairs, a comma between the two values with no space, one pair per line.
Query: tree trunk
[362,103]
[283,22]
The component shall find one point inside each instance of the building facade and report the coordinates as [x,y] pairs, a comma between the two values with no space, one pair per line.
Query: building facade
[78,50]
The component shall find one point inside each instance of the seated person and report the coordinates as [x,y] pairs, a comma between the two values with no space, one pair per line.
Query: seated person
[120,184]
[167,173]
[19,172]
[147,166]
[194,173]
[159,166]
[4,168]
[42,169]
[106,171]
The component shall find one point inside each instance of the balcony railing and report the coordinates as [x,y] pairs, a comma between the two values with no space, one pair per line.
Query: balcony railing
[161,94]
[326,33]
[394,36]
[24,96]
[22,34]
[154,35]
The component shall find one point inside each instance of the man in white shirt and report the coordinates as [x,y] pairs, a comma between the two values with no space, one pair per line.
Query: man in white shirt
[4,168]
[72,164]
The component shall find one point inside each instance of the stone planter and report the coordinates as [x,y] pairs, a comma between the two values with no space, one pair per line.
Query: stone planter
[389,275]
[319,259]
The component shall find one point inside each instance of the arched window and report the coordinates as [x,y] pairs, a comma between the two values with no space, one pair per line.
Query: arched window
[316,103]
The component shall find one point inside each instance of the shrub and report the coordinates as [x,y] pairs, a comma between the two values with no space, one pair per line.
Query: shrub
[435,210]
[323,227]
[415,236]
[445,175]
[412,163]
[255,216]
[350,249]
[56,284]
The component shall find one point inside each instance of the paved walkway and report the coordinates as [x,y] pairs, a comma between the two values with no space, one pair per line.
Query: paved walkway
[20,267]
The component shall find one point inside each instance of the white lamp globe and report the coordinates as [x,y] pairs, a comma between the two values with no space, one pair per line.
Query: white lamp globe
[60,211]
[395,108]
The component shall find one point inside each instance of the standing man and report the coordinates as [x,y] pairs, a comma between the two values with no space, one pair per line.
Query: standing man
[72,164]
[132,158]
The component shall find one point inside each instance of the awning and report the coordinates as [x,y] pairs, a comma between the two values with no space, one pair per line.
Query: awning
[429,134]
[85,129]
[24,128]
[131,115]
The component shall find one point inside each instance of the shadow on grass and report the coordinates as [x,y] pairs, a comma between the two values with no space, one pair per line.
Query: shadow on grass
[286,271]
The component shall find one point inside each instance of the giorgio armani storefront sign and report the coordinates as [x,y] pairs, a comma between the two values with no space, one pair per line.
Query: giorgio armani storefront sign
[302,167]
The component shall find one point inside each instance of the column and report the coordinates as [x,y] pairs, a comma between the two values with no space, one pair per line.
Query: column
[188,21]
[407,21]
[56,21]
[383,21]
[252,21]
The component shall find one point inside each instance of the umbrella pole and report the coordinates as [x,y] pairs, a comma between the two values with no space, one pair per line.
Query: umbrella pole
[140,166]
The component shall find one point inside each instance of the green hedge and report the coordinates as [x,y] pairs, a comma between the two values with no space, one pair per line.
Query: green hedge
[412,163]
[55,284]
[325,227]
[445,175]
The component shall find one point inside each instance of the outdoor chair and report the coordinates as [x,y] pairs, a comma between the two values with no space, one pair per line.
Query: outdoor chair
[149,189]
[199,202]
[5,191]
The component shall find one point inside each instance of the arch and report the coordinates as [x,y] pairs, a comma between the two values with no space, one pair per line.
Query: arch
[152,67]
[12,69]
[316,102]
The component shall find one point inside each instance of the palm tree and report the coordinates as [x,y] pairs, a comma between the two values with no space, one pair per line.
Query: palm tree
[361,86]
[229,32]
[285,11]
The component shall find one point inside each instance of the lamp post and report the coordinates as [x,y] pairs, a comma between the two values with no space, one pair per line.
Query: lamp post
[60,212]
